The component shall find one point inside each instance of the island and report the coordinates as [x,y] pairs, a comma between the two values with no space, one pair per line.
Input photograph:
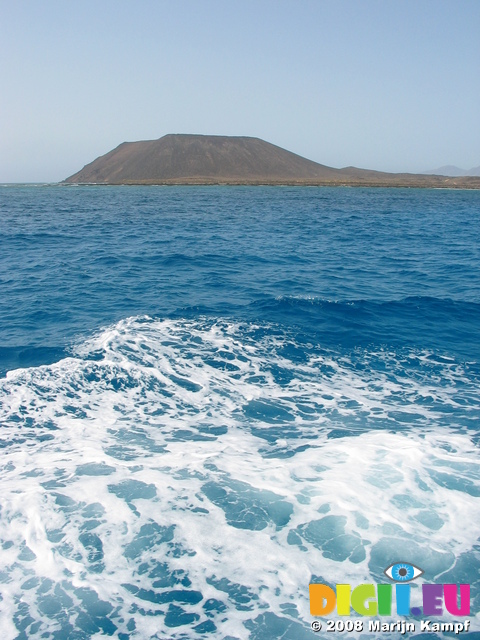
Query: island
[187,159]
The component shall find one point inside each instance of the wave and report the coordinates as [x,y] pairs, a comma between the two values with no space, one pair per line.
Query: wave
[444,326]
[419,322]
[192,476]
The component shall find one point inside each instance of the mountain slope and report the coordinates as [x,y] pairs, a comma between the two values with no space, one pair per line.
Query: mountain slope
[195,157]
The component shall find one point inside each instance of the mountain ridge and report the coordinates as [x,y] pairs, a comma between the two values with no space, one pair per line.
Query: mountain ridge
[204,159]
[453,171]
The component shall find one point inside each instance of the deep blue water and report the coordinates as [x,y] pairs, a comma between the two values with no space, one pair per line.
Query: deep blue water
[216,395]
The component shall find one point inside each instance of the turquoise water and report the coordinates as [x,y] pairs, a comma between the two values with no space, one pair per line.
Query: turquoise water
[213,396]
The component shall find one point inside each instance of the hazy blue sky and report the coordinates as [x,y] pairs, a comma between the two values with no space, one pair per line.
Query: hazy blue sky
[380,84]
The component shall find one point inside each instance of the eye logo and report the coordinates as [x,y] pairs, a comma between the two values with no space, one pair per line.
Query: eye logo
[403,572]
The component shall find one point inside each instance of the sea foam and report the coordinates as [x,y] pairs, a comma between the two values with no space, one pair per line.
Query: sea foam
[190,478]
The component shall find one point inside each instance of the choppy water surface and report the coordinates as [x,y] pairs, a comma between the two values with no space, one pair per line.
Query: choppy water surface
[214,396]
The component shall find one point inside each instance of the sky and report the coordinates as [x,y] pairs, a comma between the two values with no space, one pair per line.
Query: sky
[392,85]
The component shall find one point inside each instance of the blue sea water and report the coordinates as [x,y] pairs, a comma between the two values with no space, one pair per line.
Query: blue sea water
[212,396]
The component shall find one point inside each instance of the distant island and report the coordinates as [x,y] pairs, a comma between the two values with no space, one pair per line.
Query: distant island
[237,160]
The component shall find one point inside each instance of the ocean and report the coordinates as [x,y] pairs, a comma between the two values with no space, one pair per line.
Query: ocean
[211,397]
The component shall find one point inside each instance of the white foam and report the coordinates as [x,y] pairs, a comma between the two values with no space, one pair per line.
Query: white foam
[136,416]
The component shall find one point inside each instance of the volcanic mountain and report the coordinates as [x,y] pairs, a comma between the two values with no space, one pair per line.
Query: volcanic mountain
[199,159]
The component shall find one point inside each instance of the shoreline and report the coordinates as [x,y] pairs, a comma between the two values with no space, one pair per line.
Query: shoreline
[260,183]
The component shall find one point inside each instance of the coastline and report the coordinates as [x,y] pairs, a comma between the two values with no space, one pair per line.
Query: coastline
[471,183]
